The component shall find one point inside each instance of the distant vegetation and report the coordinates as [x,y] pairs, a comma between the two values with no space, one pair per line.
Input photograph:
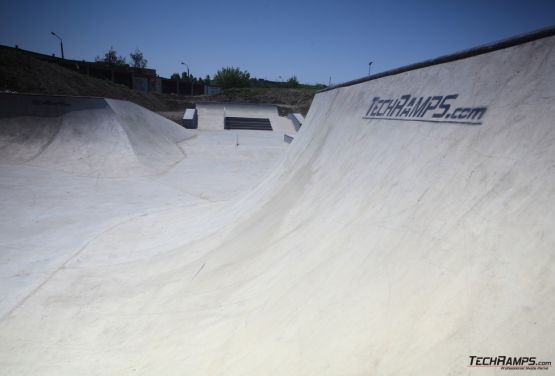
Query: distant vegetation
[235,78]
[138,60]
[231,77]
[293,82]
[288,100]
[226,78]
[111,57]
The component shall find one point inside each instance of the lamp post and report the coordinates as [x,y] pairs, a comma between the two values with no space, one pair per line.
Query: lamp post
[182,63]
[369,67]
[189,76]
[61,43]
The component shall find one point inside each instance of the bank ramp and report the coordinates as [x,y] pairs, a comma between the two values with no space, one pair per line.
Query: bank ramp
[87,136]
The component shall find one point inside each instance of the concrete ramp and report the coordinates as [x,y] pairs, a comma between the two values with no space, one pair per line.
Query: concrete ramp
[87,136]
[409,229]
[211,115]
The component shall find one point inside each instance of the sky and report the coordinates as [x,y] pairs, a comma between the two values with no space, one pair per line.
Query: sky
[317,41]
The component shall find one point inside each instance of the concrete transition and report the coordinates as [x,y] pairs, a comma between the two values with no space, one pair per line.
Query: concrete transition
[407,229]
[212,115]
[87,136]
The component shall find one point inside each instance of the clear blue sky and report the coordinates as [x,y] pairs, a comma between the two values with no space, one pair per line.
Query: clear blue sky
[271,39]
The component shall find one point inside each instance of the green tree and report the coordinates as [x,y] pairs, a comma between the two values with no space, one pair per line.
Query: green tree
[137,59]
[231,77]
[293,82]
[111,57]
[186,77]
[175,76]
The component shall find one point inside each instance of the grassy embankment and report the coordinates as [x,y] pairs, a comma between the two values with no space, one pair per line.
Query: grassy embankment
[20,72]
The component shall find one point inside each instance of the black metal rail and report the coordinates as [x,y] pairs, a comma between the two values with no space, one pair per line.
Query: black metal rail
[259,124]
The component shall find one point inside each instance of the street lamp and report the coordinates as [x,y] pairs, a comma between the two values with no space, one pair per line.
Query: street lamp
[189,76]
[369,66]
[61,43]
[182,63]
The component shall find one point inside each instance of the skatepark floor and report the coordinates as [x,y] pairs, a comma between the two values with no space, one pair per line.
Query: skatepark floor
[54,215]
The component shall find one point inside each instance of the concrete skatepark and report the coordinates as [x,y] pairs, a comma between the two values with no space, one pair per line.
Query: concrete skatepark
[407,227]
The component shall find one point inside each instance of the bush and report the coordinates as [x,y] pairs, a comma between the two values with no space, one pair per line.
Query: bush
[231,77]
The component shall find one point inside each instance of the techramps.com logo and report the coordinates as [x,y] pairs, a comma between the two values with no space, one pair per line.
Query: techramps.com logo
[509,363]
[434,109]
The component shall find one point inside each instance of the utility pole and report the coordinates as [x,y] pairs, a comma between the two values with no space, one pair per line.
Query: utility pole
[189,76]
[61,43]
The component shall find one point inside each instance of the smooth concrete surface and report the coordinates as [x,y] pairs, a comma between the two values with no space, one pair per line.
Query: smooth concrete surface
[376,247]
[87,136]
[54,212]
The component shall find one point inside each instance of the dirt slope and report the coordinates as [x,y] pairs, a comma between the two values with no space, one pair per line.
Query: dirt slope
[23,73]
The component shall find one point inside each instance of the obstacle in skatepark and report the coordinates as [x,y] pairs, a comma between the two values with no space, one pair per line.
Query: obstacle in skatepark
[213,115]
[87,136]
